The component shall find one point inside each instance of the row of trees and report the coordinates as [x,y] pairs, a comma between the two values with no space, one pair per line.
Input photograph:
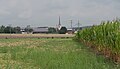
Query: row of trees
[9,29]
[15,30]
[28,29]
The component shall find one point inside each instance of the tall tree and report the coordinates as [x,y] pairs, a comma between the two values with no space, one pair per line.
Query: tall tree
[2,28]
[7,29]
[28,29]
[17,29]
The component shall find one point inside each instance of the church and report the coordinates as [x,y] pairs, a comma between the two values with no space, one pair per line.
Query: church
[59,24]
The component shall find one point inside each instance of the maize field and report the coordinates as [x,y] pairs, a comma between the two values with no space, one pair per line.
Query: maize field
[104,39]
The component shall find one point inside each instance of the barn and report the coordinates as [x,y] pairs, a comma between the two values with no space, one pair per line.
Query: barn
[40,30]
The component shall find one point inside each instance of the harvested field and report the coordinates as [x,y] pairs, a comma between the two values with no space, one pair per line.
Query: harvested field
[36,35]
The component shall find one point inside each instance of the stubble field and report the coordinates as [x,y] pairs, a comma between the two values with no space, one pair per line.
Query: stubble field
[36,35]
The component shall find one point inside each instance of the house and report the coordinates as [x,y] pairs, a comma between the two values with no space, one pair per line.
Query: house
[38,30]
[75,29]
[70,31]
[23,31]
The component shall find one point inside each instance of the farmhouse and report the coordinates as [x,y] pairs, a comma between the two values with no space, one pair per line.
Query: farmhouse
[70,31]
[38,30]
[23,31]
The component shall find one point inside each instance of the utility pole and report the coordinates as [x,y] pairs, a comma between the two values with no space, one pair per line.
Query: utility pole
[78,25]
[10,28]
[28,29]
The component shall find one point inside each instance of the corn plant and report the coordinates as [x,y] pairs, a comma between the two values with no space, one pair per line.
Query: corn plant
[103,36]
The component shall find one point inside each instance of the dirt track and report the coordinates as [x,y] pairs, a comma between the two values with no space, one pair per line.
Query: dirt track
[36,35]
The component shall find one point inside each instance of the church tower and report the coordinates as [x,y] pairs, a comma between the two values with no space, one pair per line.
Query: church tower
[59,22]
[59,25]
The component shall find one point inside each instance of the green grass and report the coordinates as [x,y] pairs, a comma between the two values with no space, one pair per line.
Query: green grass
[49,54]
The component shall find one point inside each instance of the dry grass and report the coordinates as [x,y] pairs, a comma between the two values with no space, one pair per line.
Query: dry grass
[34,35]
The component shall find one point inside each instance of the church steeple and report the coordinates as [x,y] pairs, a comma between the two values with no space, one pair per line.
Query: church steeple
[59,22]
[59,25]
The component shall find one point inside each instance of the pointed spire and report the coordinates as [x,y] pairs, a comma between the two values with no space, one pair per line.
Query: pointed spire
[59,25]
[59,21]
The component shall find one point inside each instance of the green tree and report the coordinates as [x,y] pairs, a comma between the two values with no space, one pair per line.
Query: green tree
[17,29]
[2,29]
[63,30]
[52,30]
[28,29]
[9,29]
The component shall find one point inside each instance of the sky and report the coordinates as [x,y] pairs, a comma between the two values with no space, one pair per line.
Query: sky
[46,12]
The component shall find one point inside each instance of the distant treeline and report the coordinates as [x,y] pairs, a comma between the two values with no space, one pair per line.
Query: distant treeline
[28,29]
[14,30]
[9,29]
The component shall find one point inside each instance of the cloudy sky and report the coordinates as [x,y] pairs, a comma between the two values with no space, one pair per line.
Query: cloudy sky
[46,12]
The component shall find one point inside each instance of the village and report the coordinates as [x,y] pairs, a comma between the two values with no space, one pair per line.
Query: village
[59,34]
[59,29]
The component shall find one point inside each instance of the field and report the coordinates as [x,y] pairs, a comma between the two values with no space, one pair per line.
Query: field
[36,35]
[34,53]
[104,39]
